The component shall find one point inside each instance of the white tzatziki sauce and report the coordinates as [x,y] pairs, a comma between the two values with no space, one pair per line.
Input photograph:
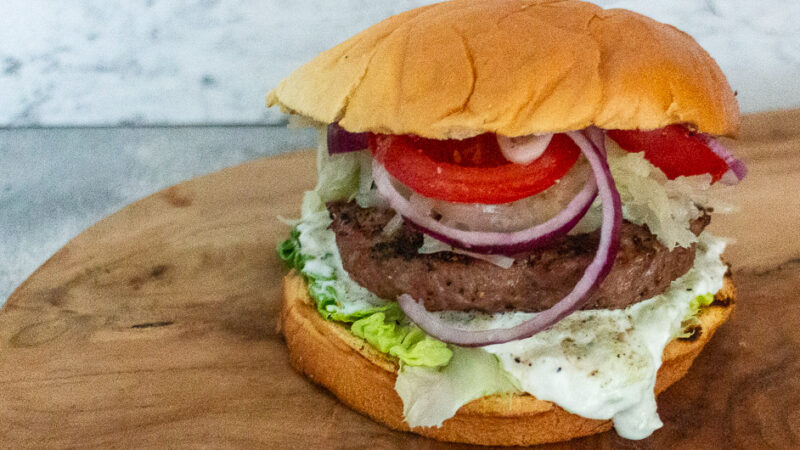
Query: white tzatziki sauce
[602,364]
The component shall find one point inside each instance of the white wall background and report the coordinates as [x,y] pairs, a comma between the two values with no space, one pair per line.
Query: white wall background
[101,62]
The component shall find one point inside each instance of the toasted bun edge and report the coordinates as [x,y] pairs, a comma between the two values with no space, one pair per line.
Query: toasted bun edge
[364,378]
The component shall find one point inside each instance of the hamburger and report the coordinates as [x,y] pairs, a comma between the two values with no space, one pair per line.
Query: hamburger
[506,244]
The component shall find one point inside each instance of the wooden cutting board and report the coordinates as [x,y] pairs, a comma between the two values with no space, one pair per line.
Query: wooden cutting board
[157,326]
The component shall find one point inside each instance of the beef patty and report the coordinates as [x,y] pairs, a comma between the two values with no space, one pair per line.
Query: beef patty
[390,265]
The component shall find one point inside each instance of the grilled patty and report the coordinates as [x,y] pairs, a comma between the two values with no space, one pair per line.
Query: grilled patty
[390,265]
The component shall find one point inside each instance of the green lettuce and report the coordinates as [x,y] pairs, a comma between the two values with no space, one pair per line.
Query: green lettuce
[338,176]
[432,395]
[691,320]
[699,302]
[289,250]
[409,344]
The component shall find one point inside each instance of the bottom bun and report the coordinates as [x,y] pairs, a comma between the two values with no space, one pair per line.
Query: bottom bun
[364,378]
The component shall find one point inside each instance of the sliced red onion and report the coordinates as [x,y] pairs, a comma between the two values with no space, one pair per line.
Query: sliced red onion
[524,149]
[343,141]
[488,242]
[594,275]
[597,136]
[736,168]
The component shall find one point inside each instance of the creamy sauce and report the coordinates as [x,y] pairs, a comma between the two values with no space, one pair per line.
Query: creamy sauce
[603,364]
[524,149]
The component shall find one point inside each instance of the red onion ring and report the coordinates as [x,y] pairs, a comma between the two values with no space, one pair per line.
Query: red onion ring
[597,136]
[343,141]
[595,273]
[488,242]
[736,168]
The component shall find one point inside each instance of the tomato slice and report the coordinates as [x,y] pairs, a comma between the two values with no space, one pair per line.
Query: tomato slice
[673,149]
[471,170]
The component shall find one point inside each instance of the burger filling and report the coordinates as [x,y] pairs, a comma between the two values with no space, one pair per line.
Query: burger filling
[494,266]
[389,264]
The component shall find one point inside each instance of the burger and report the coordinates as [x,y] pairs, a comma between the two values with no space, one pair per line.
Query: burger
[506,244]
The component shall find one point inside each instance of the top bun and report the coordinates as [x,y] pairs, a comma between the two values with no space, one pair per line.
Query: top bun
[512,67]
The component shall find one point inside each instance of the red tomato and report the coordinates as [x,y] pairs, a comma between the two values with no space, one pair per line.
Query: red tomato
[673,149]
[471,170]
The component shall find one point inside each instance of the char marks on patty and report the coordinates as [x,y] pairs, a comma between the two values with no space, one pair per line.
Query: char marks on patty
[390,265]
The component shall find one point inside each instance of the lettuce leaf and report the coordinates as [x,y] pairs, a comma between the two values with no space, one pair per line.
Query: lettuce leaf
[691,320]
[431,396]
[345,176]
[699,302]
[409,344]
[289,250]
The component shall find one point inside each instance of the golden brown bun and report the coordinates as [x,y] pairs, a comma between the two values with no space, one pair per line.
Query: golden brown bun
[512,67]
[364,378]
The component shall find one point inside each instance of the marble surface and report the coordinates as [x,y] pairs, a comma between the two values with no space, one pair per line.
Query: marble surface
[95,62]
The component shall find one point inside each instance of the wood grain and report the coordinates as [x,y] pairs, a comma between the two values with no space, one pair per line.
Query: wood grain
[156,326]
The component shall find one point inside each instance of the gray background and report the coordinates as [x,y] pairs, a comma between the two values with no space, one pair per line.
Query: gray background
[93,94]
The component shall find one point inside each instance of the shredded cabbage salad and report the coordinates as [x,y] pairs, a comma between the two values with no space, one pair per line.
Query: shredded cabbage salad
[599,364]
